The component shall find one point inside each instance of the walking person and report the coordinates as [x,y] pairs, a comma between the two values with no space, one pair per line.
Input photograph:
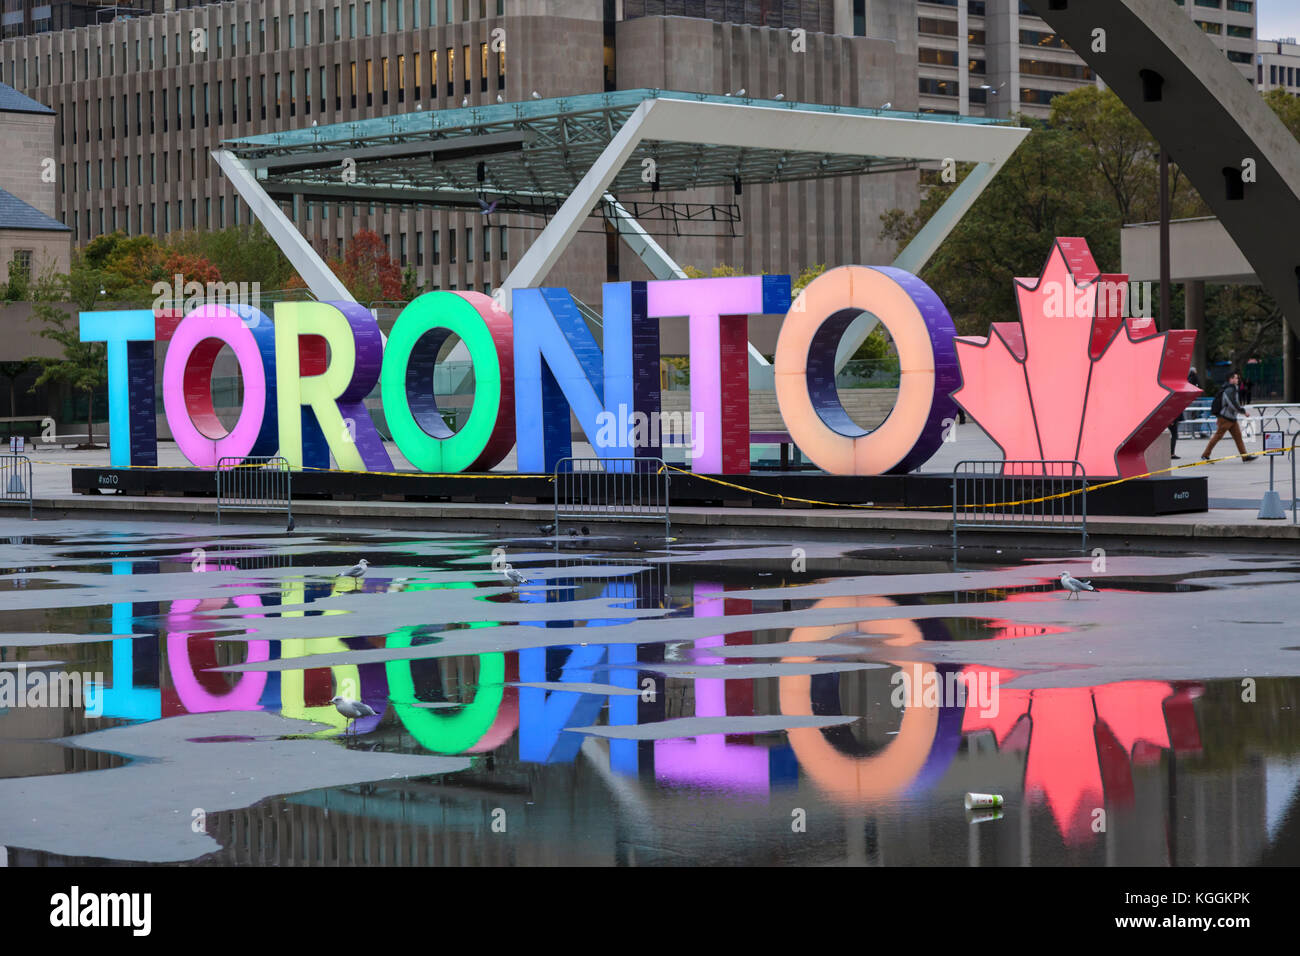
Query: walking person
[1173,426]
[1227,406]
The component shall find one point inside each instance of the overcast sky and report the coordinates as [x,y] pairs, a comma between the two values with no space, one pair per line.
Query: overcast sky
[1278,18]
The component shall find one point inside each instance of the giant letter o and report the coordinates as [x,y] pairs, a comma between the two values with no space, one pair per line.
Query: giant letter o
[410,405]
[187,382]
[805,371]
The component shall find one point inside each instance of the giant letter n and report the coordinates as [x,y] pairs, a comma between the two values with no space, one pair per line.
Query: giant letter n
[559,368]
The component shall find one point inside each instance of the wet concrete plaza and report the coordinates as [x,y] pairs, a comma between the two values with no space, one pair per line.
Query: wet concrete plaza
[165,697]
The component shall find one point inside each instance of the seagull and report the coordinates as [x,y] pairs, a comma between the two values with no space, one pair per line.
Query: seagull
[513,576]
[357,570]
[741,91]
[464,102]
[536,95]
[352,709]
[1074,585]
[500,98]
[779,96]
[887,106]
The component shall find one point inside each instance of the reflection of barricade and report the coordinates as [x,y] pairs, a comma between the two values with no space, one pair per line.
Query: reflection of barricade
[247,557]
[611,489]
[254,484]
[1035,496]
[644,584]
[16,481]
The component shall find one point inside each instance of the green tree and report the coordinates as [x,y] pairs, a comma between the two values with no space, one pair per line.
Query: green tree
[83,366]
[410,284]
[1041,193]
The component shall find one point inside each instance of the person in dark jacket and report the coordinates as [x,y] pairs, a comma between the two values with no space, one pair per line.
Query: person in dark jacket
[1230,408]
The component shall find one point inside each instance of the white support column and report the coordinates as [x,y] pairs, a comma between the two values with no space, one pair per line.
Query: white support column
[551,242]
[323,283]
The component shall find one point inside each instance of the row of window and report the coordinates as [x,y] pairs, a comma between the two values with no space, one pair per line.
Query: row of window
[1281,75]
[197,107]
[935,87]
[1236,6]
[200,43]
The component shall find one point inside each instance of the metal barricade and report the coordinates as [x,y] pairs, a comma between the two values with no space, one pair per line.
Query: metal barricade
[1020,495]
[1294,437]
[16,482]
[254,484]
[612,489]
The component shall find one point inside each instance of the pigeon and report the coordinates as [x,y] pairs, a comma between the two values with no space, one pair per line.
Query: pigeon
[573,532]
[585,532]
[486,208]
[352,709]
[1074,585]
[546,529]
[513,576]
[290,528]
[357,570]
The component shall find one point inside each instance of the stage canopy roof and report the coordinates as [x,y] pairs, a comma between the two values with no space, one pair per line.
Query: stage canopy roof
[530,156]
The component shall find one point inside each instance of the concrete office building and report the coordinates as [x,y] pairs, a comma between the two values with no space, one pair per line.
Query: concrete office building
[31,239]
[142,100]
[997,58]
[1278,65]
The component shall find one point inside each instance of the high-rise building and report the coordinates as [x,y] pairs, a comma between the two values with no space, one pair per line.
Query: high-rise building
[997,58]
[141,100]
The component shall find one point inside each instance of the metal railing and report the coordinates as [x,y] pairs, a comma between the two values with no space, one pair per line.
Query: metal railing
[254,484]
[1020,495]
[612,489]
[1295,436]
[16,481]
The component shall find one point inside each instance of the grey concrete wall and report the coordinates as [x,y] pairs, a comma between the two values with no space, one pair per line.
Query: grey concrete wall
[28,141]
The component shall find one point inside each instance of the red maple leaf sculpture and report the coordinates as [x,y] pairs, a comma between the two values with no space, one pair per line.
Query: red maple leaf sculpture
[1076,378]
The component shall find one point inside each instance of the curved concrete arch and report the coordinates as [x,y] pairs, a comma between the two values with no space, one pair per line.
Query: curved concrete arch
[1208,118]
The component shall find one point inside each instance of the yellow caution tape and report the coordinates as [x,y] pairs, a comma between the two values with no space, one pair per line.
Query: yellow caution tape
[793,499]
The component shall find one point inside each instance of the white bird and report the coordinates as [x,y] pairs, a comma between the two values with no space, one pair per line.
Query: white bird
[536,95]
[1074,585]
[464,102]
[500,98]
[352,709]
[357,570]
[513,576]
[887,106]
[779,96]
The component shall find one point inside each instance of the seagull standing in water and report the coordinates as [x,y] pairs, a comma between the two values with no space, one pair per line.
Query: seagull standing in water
[352,709]
[1074,585]
[513,576]
[357,570]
